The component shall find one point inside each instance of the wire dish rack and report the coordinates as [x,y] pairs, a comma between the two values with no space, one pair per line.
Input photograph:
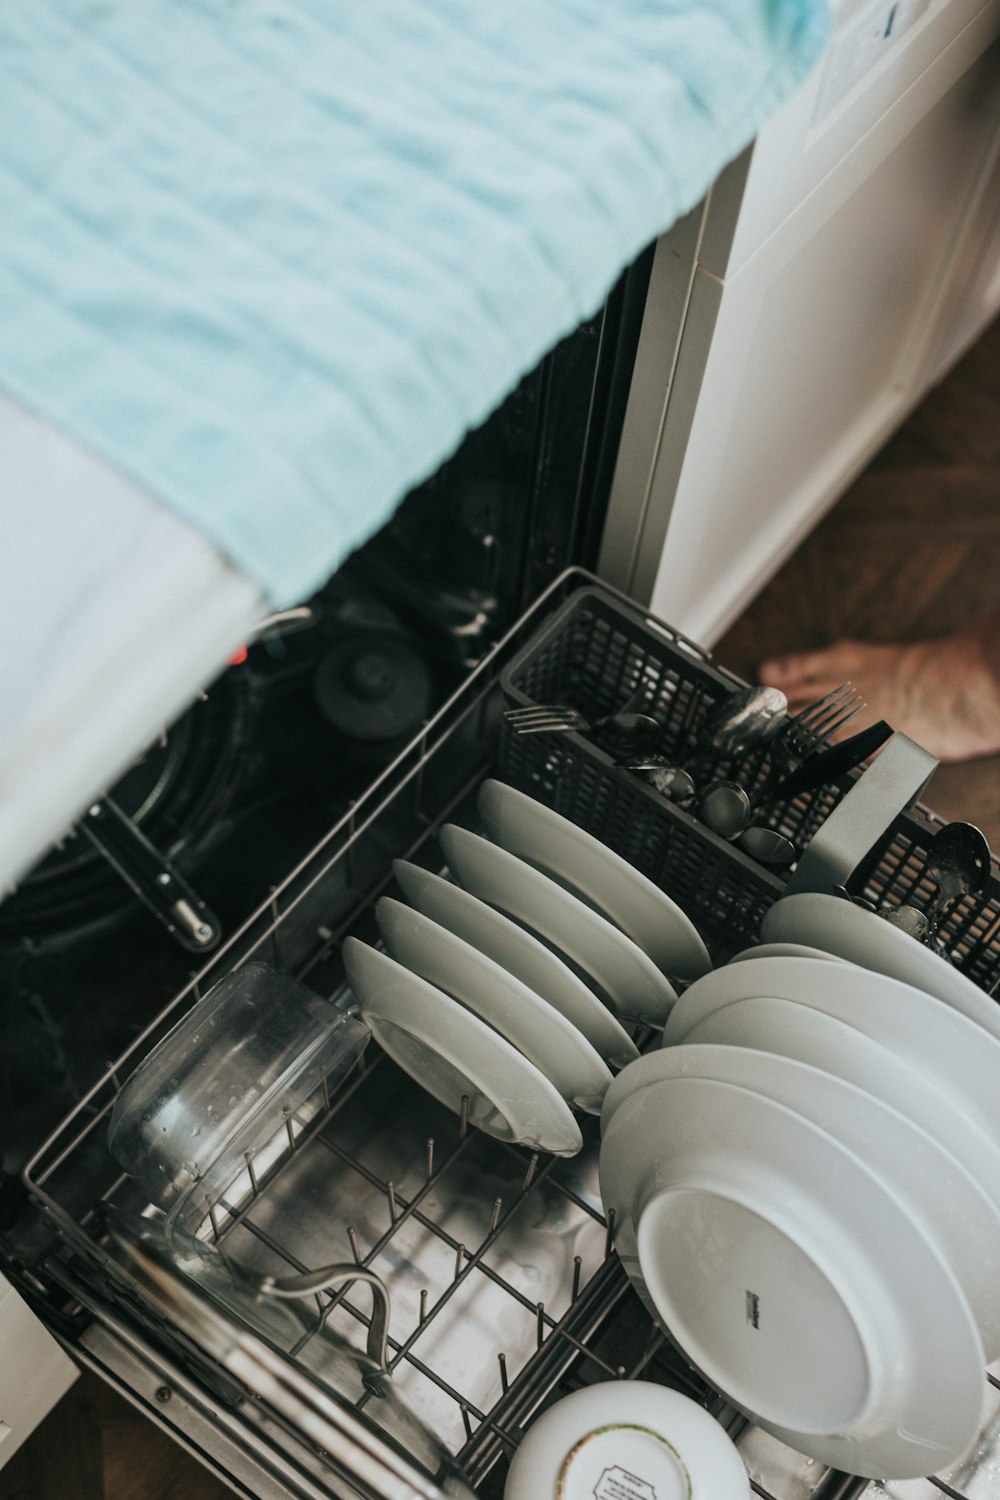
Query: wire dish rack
[505,1288]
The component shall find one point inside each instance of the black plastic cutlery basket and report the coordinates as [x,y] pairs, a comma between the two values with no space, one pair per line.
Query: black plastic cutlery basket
[598,652]
[970,932]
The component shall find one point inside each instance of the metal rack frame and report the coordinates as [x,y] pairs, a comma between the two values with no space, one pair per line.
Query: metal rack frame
[300,928]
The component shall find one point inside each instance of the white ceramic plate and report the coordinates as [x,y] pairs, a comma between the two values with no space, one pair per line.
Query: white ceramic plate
[529,1023]
[851,932]
[520,954]
[958,1217]
[626,1438]
[791,1030]
[955,1054]
[633,984]
[785,950]
[452,1053]
[585,866]
[793,1279]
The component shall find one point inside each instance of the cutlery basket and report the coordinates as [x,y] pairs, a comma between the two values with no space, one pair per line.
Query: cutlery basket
[598,651]
[895,874]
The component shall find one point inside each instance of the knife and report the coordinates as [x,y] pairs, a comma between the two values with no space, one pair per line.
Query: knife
[827,765]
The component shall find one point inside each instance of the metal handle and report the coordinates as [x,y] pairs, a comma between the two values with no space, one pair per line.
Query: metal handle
[151,876]
[335,1430]
[307,1284]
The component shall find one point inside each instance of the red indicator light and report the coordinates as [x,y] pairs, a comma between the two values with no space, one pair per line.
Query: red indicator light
[238,657]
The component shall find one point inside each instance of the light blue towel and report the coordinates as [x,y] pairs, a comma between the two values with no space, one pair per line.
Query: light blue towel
[273,258]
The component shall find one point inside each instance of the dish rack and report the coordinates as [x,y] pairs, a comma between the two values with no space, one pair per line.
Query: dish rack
[505,1287]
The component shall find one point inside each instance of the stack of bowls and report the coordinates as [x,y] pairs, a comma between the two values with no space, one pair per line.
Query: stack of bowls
[805,1182]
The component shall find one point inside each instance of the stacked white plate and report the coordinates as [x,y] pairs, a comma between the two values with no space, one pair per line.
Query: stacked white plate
[805,1182]
[510,994]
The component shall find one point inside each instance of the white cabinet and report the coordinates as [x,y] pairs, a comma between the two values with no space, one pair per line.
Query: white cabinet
[839,270]
[970,292]
[34,1371]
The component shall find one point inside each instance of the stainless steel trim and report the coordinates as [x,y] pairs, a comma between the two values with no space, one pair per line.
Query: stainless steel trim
[203,1428]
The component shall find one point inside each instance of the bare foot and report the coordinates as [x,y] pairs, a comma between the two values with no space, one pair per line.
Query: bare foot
[945,694]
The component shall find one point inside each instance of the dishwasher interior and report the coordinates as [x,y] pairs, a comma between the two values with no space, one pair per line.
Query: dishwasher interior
[504,1284]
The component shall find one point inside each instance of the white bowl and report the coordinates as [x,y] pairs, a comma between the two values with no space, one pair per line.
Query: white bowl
[951,1207]
[957,1056]
[792,1278]
[623,1438]
[849,931]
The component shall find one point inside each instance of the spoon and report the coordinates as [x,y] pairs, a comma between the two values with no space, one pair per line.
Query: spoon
[767,846]
[628,732]
[907,919]
[671,781]
[725,808]
[743,719]
[959,863]
[862,901]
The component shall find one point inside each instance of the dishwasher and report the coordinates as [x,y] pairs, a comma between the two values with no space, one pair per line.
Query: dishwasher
[505,1288]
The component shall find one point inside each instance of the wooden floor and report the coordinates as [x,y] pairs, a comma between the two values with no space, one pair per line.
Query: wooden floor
[96,1446]
[912,549]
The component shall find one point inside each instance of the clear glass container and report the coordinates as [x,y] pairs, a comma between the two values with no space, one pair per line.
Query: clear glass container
[223,1095]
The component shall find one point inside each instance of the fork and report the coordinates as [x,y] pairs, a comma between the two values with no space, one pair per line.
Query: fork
[554,718]
[627,732]
[550,717]
[802,735]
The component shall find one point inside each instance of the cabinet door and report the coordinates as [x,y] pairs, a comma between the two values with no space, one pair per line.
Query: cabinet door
[970,295]
[34,1371]
[801,364]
